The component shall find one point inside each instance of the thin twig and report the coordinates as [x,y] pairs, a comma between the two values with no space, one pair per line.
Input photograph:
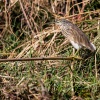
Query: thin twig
[26,17]
[96,71]
[71,74]
[90,12]
[40,58]
[6,76]
[20,81]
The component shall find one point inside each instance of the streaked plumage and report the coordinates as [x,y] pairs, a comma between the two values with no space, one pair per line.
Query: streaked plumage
[76,37]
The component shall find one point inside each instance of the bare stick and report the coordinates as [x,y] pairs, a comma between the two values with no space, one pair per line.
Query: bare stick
[26,17]
[40,58]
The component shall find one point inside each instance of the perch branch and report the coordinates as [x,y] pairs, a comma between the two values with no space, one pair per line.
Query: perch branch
[40,58]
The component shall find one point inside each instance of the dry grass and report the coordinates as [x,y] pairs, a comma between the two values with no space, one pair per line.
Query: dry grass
[26,31]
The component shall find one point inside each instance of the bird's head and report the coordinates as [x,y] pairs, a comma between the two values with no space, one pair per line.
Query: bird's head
[60,22]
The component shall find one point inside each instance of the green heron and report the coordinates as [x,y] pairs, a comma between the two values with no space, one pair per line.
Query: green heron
[76,37]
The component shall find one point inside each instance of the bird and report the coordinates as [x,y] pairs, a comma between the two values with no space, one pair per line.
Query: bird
[74,34]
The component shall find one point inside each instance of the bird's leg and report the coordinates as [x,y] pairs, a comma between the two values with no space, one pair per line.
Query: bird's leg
[71,74]
[76,53]
[73,51]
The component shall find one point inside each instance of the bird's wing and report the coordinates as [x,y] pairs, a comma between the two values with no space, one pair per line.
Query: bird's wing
[79,37]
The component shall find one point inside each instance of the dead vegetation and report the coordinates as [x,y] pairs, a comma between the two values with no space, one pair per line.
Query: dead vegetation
[27,30]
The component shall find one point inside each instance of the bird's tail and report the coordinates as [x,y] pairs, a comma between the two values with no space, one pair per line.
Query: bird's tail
[92,48]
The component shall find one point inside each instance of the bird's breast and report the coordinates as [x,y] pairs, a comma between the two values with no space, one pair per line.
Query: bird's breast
[75,45]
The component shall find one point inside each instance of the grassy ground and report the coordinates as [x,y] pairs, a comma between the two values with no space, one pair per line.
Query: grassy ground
[26,31]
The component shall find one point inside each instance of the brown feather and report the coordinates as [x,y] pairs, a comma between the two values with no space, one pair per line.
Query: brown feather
[73,33]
